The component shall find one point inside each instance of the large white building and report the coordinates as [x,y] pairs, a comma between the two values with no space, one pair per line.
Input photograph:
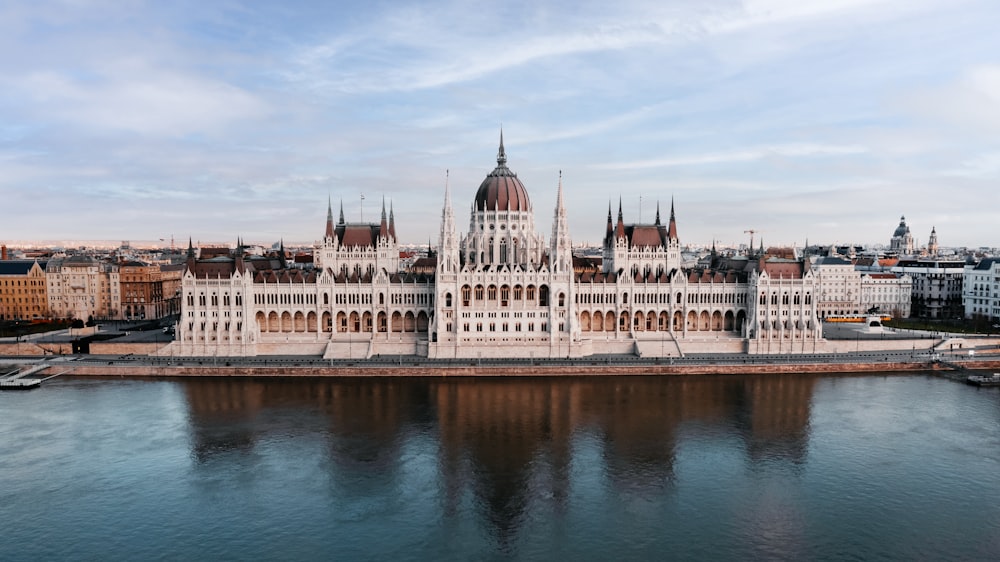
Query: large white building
[981,289]
[498,290]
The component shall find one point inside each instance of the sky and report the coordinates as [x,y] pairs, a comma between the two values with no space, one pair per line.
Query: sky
[216,120]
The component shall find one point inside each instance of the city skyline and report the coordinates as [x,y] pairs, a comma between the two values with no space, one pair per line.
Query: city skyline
[820,122]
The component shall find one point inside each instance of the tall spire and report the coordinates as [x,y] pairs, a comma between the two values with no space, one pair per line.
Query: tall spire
[383,228]
[190,252]
[392,222]
[620,227]
[447,258]
[657,223]
[611,225]
[562,251]
[501,154]
[341,221]
[672,228]
[329,217]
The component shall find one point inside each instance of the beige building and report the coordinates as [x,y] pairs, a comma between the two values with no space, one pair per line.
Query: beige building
[149,291]
[23,290]
[839,287]
[82,287]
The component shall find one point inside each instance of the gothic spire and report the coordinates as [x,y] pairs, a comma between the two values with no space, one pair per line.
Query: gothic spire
[501,154]
[392,222]
[672,228]
[329,217]
[341,221]
[383,228]
[447,256]
[610,230]
[657,213]
[620,227]
[562,254]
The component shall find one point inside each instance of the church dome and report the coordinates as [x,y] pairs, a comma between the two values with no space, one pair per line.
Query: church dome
[902,229]
[501,190]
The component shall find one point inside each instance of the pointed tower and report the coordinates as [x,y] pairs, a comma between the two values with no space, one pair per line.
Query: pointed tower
[610,230]
[672,228]
[620,227]
[240,267]
[561,257]
[191,258]
[932,242]
[329,219]
[281,255]
[392,222]
[383,227]
[657,223]
[448,252]
[341,221]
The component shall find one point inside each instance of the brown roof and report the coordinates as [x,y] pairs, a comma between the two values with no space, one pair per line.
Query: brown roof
[646,235]
[783,269]
[362,235]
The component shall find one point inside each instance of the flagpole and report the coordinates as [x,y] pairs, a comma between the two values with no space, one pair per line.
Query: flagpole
[362,208]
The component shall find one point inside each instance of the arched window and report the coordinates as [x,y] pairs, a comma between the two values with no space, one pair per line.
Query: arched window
[447,299]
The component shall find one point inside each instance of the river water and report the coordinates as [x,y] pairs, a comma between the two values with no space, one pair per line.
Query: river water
[782,467]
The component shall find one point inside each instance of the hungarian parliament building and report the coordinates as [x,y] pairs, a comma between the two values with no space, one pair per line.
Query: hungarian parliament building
[498,290]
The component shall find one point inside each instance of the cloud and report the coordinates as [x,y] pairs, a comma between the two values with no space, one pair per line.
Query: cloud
[132,96]
[970,103]
[741,155]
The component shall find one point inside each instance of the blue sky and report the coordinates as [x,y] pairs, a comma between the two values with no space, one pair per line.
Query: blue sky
[817,120]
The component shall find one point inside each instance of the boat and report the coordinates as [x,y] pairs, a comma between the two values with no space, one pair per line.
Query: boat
[984,380]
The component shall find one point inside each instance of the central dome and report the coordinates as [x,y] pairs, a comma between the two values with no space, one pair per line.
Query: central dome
[501,190]
[902,229]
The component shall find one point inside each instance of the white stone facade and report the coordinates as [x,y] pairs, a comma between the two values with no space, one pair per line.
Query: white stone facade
[981,289]
[499,290]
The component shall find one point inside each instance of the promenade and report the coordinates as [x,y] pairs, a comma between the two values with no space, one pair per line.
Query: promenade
[926,351]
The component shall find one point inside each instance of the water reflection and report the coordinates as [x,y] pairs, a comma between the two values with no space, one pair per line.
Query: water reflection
[508,444]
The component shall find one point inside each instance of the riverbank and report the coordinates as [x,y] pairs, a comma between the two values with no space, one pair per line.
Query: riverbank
[432,369]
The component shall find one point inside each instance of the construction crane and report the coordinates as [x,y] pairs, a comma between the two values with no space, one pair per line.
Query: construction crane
[751,232]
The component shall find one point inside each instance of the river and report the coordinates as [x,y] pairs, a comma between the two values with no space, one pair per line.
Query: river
[775,467]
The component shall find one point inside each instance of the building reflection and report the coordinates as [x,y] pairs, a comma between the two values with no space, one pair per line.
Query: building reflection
[221,415]
[509,444]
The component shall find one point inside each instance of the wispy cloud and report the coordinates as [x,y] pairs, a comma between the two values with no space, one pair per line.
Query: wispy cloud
[218,114]
[740,155]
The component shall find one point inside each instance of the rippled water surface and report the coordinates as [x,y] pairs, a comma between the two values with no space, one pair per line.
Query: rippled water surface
[701,468]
